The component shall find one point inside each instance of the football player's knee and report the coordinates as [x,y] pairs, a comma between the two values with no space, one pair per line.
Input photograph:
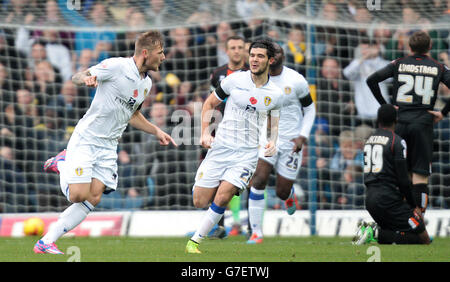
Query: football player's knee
[95,199]
[200,203]
[259,181]
[78,196]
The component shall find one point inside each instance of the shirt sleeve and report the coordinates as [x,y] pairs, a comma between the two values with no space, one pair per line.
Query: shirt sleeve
[224,89]
[105,70]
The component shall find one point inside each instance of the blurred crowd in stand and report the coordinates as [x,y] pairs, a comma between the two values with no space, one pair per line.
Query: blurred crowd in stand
[40,106]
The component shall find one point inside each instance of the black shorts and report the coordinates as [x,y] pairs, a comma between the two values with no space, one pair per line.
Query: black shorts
[390,211]
[419,142]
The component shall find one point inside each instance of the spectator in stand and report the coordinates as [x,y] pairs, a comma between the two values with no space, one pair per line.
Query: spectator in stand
[157,13]
[180,59]
[223,9]
[19,12]
[397,46]
[204,29]
[247,8]
[26,106]
[332,41]
[165,169]
[100,42]
[124,45]
[334,100]
[295,50]
[351,195]
[69,106]
[287,8]
[15,61]
[184,93]
[275,34]
[130,185]
[323,153]
[85,60]
[203,39]
[362,17]
[48,47]
[46,82]
[52,15]
[367,61]
[223,32]
[7,86]
[346,155]
[120,10]
[12,184]
[254,27]
[381,35]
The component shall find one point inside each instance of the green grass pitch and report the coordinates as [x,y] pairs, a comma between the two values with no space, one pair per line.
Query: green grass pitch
[235,249]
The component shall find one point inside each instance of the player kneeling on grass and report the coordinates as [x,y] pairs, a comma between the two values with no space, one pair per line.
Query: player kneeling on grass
[88,168]
[389,198]
[233,153]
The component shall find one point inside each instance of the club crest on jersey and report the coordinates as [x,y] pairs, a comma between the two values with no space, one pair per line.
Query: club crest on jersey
[79,171]
[287,90]
[145,92]
[253,100]
[267,100]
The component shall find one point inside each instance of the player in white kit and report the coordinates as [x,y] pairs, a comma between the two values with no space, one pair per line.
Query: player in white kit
[297,118]
[233,153]
[88,168]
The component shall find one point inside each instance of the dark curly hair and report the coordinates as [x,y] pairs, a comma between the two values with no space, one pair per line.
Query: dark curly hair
[265,44]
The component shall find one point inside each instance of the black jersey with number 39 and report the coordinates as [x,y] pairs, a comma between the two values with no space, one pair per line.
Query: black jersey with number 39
[381,152]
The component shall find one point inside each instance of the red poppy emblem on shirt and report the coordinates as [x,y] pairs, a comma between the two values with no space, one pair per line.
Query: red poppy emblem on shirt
[135,93]
[253,100]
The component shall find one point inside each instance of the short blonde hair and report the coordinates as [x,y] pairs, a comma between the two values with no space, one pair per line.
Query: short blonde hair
[148,40]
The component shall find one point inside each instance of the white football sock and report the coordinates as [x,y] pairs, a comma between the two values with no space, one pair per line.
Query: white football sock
[211,218]
[256,205]
[68,220]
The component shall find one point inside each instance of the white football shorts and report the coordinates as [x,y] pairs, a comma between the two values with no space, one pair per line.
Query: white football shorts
[235,166]
[85,161]
[285,161]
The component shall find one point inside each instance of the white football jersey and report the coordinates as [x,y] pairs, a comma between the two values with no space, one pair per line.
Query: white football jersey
[119,93]
[294,87]
[246,110]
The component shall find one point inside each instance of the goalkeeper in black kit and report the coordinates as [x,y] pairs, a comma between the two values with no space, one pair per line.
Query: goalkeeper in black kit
[416,81]
[389,198]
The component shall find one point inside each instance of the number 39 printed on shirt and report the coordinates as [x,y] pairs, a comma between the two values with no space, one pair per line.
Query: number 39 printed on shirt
[373,158]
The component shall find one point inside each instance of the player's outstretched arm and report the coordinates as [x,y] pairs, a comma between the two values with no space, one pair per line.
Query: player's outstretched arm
[207,113]
[138,121]
[84,78]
